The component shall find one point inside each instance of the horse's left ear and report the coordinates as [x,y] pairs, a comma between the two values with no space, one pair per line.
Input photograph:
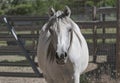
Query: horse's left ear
[67,11]
[51,12]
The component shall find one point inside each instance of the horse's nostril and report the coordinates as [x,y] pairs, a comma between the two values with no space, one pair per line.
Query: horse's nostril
[65,54]
[56,56]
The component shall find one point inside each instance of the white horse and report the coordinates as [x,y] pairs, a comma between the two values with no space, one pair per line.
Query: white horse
[62,49]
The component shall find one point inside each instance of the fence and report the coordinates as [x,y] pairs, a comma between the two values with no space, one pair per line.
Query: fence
[100,35]
[28,32]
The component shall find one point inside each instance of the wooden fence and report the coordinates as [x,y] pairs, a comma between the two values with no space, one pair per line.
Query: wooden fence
[30,33]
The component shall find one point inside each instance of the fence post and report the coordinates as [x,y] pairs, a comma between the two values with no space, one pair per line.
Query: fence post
[118,40]
[94,35]
[103,20]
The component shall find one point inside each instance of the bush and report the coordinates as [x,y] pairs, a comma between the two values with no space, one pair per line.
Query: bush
[1,12]
[83,79]
[22,9]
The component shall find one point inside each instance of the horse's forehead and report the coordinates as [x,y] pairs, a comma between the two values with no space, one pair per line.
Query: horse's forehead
[58,13]
[61,24]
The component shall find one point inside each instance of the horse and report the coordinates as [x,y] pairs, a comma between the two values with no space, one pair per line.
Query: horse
[62,49]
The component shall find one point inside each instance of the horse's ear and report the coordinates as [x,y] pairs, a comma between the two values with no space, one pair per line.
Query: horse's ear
[67,11]
[51,11]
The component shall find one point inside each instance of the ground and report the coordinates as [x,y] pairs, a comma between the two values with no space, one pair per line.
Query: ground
[6,79]
[17,69]
[103,78]
[21,80]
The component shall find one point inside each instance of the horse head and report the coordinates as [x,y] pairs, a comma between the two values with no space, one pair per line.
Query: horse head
[60,31]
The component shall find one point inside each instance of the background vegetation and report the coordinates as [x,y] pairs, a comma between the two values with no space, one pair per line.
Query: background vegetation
[39,7]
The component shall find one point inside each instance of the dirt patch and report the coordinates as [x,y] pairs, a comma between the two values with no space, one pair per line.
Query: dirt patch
[17,69]
[21,80]
[103,79]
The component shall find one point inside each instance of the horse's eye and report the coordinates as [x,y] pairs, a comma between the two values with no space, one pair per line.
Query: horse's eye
[50,30]
[70,30]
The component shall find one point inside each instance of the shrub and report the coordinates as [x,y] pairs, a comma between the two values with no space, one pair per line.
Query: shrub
[22,9]
[1,12]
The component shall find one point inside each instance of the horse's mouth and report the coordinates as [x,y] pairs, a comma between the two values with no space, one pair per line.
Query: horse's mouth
[61,61]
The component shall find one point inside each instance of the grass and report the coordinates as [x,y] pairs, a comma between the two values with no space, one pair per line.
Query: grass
[99,31]
[83,79]
[12,58]
[3,43]
[111,31]
[86,31]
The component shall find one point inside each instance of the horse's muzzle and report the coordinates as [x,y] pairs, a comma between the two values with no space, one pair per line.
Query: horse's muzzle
[62,59]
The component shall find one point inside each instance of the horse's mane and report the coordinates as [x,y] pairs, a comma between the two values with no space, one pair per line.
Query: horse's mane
[51,52]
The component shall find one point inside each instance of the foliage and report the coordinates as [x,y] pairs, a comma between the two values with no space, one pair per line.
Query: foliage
[40,7]
[21,9]
[101,3]
[1,12]
[110,2]
[59,4]
[89,3]
[83,79]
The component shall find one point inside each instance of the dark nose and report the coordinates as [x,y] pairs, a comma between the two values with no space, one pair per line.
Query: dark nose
[62,56]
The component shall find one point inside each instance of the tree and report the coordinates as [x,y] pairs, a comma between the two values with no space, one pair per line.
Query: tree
[40,7]
[99,3]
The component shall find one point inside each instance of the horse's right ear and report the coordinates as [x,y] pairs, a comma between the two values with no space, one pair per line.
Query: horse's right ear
[51,12]
[67,11]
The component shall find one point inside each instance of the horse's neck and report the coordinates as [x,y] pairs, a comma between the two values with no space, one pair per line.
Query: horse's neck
[76,28]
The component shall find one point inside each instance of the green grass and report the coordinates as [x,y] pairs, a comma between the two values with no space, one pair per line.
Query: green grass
[3,43]
[86,31]
[111,30]
[83,79]
[100,31]
[12,58]
[110,40]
